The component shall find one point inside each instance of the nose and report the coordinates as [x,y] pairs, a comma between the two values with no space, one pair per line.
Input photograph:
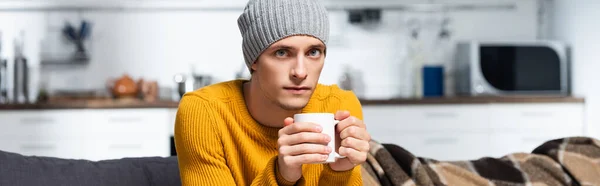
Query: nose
[299,69]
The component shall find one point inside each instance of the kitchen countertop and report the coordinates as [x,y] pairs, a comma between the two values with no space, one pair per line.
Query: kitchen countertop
[91,104]
[476,100]
[124,104]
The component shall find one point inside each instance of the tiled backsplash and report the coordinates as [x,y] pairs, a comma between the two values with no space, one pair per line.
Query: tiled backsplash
[158,45]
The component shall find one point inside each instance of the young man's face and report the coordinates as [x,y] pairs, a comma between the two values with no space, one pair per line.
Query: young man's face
[288,71]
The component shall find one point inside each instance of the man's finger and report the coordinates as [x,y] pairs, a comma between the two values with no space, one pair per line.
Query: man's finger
[288,121]
[305,159]
[356,144]
[350,121]
[304,137]
[342,114]
[300,127]
[354,156]
[305,148]
[355,132]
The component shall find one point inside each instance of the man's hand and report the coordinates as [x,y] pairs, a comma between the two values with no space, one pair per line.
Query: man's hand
[354,141]
[300,143]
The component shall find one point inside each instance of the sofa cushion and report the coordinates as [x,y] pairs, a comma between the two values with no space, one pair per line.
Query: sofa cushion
[16,169]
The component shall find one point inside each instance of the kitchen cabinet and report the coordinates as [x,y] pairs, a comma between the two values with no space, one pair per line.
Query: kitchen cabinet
[92,134]
[233,4]
[438,144]
[64,148]
[525,127]
[172,118]
[467,131]
[121,147]
[427,118]
[47,124]
[444,131]
[540,116]
[124,5]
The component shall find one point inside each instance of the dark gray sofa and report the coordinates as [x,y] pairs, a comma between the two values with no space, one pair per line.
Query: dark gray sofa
[17,170]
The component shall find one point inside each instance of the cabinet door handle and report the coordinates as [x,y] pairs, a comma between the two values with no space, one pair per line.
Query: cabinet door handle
[124,119]
[431,141]
[36,121]
[28,147]
[125,146]
[534,140]
[441,115]
[537,114]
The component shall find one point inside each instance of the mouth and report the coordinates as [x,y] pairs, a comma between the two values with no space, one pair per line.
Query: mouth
[297,89]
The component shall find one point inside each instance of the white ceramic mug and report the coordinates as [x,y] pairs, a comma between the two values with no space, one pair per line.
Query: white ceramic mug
[328,123]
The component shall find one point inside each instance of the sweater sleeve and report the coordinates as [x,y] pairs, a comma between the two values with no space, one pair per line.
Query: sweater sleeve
[271,175]
[349,177]
[199,148]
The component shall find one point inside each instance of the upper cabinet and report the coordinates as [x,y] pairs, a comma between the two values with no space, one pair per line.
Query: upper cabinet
[423,5]
[409,5]
[121,5]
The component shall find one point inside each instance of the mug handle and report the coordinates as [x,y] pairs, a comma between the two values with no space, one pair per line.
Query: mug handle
[335,122]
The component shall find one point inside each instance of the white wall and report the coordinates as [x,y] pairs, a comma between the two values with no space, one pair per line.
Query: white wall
[157,45]
[576,22]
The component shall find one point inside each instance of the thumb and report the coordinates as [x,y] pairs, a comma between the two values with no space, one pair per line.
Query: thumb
[288,121]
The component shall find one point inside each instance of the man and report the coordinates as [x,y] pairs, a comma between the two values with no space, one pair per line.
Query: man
[241,132]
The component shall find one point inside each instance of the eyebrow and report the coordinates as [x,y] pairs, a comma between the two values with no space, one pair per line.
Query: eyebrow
[280,46]
[320,46]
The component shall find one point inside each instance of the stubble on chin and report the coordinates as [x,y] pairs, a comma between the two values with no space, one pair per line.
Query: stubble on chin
[292,105]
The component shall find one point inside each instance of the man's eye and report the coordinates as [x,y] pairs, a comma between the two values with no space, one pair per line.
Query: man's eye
[315,52]
[280,53]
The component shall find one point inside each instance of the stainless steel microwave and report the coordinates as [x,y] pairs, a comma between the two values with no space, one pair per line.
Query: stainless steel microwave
[512,68]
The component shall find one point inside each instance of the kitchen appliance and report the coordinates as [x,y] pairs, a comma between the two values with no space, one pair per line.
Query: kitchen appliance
[3,76]
[352,80]
[189,83]
[20,73]
[3,81]
[512,68]
[200,81]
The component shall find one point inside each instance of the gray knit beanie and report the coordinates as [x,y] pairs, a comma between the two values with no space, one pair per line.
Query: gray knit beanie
[265,22]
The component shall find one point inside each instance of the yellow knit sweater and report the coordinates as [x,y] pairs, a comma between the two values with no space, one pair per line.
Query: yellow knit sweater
[219,143]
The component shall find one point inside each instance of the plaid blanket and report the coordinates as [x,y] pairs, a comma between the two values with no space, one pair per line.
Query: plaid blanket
[566,161]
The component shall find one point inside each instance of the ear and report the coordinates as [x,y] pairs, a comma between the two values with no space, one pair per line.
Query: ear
[254,66]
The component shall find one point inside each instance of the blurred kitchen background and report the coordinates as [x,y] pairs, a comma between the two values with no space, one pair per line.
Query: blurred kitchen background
[446,79]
